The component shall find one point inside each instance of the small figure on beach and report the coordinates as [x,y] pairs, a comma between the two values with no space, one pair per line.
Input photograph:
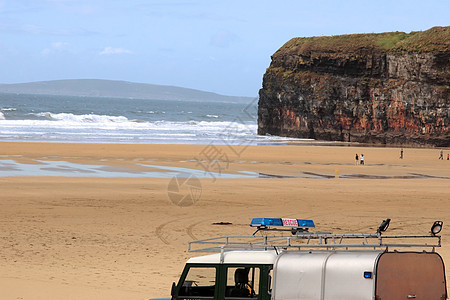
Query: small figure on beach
[401,154]
[441,156]
[448,156]
[356,159]
[362,159]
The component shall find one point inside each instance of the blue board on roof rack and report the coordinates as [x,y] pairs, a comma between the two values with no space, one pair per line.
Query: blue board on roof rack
[295,223]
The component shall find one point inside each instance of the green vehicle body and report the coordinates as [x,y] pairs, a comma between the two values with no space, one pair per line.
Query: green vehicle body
[222,288]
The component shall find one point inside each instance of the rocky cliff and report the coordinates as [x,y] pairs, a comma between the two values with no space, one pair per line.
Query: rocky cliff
[388,88]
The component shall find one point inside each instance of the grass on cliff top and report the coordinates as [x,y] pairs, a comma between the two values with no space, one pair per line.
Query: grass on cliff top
[433,40]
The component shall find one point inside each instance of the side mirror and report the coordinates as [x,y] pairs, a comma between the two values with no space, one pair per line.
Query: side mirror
[174,287]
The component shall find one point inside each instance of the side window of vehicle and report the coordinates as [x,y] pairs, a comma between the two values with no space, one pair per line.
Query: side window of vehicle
[242,282]
[199,282]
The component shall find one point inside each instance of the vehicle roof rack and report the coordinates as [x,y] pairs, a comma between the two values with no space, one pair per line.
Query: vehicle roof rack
[300,239]
[317,241]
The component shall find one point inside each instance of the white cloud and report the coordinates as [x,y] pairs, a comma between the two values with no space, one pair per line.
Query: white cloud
[59,45]
[223,38]
[111,50]
[55,47]
[73,6]
[32,29]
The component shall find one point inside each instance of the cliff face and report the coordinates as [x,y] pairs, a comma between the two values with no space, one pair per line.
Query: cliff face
[390,88]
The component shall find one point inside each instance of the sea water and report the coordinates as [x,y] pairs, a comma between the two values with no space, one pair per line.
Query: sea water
[112,120]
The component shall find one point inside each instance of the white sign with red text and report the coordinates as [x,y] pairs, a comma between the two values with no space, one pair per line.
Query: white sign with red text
[290,222]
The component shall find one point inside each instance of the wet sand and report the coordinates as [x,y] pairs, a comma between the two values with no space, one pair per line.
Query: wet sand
[65,237]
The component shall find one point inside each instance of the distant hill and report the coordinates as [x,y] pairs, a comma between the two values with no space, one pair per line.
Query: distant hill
[115,89]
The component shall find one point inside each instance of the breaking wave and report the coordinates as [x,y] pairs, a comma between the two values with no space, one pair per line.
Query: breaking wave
[88,118]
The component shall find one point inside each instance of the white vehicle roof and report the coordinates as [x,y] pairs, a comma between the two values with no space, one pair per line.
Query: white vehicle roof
[236,257]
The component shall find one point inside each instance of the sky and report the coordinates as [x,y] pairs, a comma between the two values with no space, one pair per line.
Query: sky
[217,46]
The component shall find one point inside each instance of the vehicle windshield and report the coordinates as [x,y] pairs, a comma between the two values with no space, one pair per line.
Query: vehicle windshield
[200,281]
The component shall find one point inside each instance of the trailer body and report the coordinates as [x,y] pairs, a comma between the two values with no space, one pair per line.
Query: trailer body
[359,275]
[416,275]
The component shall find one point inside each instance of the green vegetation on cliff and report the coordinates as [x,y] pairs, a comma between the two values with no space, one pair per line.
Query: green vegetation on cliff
[436,39]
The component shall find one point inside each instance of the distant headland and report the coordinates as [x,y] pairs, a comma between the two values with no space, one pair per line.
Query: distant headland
[116,89]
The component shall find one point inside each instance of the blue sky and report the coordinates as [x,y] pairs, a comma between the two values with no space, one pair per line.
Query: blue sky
[218,46]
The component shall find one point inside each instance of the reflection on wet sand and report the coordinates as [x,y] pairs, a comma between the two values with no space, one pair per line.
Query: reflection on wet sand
[13,168]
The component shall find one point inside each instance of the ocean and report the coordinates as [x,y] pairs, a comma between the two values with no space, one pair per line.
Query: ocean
[47,118]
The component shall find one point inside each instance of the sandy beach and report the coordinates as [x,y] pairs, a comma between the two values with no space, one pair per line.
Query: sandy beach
[89,235]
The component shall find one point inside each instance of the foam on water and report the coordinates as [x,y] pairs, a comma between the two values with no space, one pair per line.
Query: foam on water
[116,129]
[89,118]
[103,120]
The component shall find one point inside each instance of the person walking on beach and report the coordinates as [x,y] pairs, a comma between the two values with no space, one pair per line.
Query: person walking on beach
[401,154]
[356,159]
[448,156]
[442,155]
[362,159]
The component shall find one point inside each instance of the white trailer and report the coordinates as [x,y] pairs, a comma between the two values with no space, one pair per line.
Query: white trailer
[358,275]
